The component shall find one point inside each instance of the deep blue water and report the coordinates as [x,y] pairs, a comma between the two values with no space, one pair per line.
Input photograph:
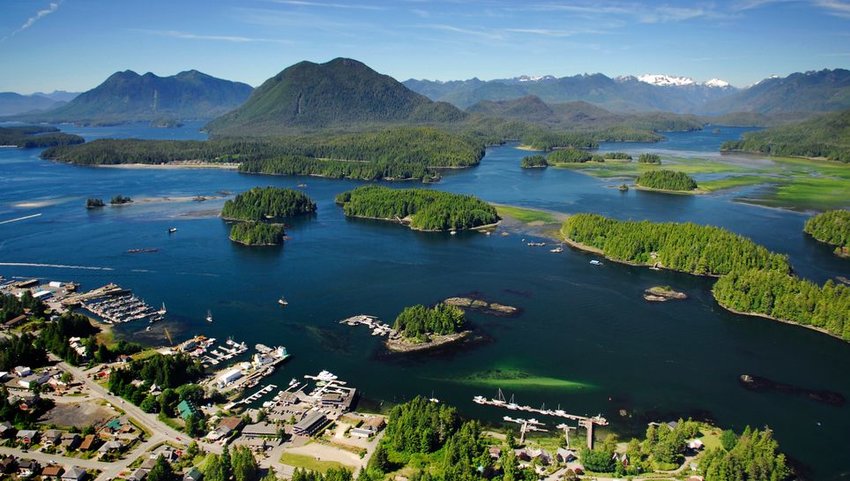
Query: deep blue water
[580,323]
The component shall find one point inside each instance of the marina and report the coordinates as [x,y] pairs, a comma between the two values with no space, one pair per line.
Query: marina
[377,327]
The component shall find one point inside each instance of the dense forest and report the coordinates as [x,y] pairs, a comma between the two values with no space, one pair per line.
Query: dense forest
[36,136]
[544,139]
[533,162]
[831,227]
[826,136]
[265,203]
[167,372]
[393,154]
[20,351]
[647,158]
[686,247]
[419,322]
[54,337]
[428,209]
[257,233]
[754,456]
[778,295]
[12,307]
[666,180]
[569,156]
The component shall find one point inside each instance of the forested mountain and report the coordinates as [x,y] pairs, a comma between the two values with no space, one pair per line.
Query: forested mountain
[339,93]
[127,96]
[808,92]
[826,136]
[12,103]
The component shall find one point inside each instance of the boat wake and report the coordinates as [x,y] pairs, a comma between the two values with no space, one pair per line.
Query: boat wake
[55,266]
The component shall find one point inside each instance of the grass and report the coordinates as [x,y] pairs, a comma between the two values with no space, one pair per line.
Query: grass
[735,182]
[518,379]
[309,463]
[524,215]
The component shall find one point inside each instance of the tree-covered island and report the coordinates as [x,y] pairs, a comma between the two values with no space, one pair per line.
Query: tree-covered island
[418,327]
[533,162]
[257,210]
[36,136]
[669,180]
[831,227]
[421,209]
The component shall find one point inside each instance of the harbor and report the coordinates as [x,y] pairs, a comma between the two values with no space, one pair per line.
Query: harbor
[377,327]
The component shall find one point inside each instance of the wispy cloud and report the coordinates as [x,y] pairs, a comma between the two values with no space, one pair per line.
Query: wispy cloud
[486,34]
[215,38]
[52,7]
[838,8]
[545,32]
[346,6]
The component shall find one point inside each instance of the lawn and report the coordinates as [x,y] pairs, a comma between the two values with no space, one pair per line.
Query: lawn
[310,463]
[526,216]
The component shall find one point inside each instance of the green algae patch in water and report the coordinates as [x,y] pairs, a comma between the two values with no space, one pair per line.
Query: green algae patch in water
[516,379]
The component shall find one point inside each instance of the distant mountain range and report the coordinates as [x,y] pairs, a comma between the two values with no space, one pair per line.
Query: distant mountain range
[127,96]
[337,94]
[809,92]
[12,103]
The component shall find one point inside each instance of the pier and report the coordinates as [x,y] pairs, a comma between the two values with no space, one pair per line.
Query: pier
[587,422]
[378,328]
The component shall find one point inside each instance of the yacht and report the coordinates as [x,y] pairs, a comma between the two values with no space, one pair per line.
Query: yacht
[209,316]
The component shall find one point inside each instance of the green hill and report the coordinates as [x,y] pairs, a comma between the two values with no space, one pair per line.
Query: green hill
[337,94]
[129,97]
[823,136]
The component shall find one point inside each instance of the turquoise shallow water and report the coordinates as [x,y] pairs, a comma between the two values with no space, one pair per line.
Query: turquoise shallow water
[580,323]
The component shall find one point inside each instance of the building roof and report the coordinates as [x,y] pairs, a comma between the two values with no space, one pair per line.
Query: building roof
[260,429]
[52,470]
[27,433]
[88,442]
[185,409]
[193,475]
[73,472]
[230,423]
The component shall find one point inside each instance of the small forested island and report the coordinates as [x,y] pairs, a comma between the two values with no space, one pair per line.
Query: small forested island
[533,162]
[565,156]
[267,203]
[257,233]
[662,294]
[670,180]
[166,123]
[120,200]
[647,158]
[685,247]
[617,156]
[94,203]
[831,227]
[782,297]
[420,209]
[36,136]
[419,327]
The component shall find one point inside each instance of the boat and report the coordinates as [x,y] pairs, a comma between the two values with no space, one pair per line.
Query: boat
[453,232]
[557,250]
[148,328]
[162,311]
[596,262]
[209,317]
[282,301]
[172,230]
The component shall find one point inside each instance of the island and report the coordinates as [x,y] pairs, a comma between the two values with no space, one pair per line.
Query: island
[492,308]
[94,203]
[36,136]
[257,233]
[419,209]
[647,158]
[831,227]
[256,214]
[120,200]
[533,162]
[267,203]
[666,180]
[571,155]
[662,294]
[418,328]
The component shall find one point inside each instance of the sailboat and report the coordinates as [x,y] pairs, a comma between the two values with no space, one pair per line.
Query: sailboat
[209,316]
[282,301]
[162,311]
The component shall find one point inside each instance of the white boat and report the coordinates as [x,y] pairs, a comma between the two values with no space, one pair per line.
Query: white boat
[148,328]
[172,230]
[596,262]
[162,311]
[209,316]
[453,232]
[282,301]
[557,250]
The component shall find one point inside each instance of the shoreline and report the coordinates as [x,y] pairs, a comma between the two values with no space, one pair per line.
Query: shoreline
[183,164]
[777,319]
[402,345]
[406,223]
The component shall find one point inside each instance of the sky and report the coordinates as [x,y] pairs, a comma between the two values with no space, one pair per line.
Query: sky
[74,45]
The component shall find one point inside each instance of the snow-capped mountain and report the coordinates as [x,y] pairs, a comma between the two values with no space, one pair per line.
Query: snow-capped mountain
[717,83]
[662,80]
[534,78]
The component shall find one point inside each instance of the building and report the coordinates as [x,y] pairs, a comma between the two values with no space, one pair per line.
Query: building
[27,436]
[495,452]
[110,447]
[225,427]
[27,468]
[361,433]
[186,409]
[22,371]
[70,441]
[6,429]
[138,475]
[73,473]
[32,380]
[51,437]
[565,456]
[193,475]
[695,444]
[228,377]
[310,424]
[89,443]
[8,465]
[260,430]
[54,471]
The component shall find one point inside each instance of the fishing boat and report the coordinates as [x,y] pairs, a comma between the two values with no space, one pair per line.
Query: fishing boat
[282,301]
[209,316]
[172,230]
[596,262]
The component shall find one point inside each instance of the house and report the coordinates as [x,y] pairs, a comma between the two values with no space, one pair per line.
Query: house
[186,409]
[27,468]
[110,447]
[260,430]
[73,473]
[22,371]
[89,443]
[27,436]
[225,427]
[138,475]
[542,455]
[51,437]
[375,423]
[495,452]
[6,429]
[8,464]
[193,475]
[621,458]
[32,380]
[565,456]
[361,433]
[148,464]
[695,444]
[522,455]
[70,441]
[167,453]
[53,471]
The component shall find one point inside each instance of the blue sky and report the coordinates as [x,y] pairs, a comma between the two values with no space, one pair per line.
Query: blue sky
[75,44]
